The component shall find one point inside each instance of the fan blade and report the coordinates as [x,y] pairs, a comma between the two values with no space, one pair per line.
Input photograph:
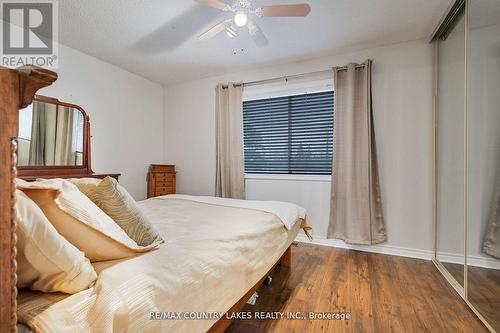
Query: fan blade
[286,10]
[212,3]
[256,33]
[215,30]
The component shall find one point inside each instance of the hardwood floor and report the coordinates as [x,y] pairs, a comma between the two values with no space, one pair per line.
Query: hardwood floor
[484,290]
[381,293]
[456,270]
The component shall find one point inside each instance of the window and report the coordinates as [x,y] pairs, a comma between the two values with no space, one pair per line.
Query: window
[77,131]
[289,135]
[77,144]
[25,122]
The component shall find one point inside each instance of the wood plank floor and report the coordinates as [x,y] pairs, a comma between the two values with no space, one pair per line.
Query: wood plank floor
[382,294]
[456,270]
[484,290]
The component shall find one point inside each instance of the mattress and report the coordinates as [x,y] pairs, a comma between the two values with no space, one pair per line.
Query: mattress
[211,257]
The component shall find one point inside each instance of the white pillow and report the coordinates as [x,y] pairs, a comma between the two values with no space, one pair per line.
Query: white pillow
[80,221]
[45,260]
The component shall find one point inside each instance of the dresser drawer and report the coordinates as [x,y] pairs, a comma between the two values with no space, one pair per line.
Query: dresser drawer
[164,192]
[167,183]
[162,168]
[168,187]
[163,177]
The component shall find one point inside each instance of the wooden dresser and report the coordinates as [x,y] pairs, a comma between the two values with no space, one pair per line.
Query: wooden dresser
[161,180]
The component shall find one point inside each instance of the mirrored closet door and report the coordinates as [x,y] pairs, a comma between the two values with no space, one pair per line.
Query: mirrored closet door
[450,148]
[483,162]
[468,154]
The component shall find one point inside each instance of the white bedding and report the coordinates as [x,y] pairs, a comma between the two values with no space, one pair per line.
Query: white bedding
[287,212]
[211,257]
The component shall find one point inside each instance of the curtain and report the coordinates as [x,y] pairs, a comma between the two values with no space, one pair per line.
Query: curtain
[51,135]
[42,129]
[356,206]
[230,173]
[64,152]
[491,243]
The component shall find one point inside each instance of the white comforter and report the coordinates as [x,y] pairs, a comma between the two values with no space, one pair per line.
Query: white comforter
[287,212]
[211,257]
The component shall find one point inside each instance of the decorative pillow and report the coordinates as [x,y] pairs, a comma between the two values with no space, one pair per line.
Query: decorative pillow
[80,221]
[115,201]
[45,260]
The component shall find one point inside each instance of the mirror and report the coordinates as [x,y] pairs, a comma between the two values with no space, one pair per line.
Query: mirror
[483,103]
[468,155]
[51,133]
[450,151]
[53,139]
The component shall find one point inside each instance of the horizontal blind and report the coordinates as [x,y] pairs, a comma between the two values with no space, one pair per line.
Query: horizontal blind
[289,135]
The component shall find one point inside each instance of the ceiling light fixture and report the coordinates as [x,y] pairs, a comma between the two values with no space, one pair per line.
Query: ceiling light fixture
[240,19]
[245,13]
[231,31]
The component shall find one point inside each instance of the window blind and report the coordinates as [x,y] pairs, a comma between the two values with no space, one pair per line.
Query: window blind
[289,135]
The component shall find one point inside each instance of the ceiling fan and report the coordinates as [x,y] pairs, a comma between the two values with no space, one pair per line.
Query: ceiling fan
[244,15]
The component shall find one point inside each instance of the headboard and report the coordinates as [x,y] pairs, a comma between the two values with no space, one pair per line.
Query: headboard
[17,89]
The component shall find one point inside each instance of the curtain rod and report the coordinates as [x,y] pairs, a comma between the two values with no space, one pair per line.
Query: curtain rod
[289,77]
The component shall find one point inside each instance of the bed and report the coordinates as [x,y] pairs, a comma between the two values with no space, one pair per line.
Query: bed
[215,254]
[211,257]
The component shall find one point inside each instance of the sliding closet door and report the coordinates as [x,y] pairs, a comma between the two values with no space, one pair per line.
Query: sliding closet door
[483,100]
[450,151]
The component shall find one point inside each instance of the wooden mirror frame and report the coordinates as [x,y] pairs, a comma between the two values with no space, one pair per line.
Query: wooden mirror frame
[66,171]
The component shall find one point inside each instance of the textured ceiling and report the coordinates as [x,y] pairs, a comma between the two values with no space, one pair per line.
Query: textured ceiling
[157,39]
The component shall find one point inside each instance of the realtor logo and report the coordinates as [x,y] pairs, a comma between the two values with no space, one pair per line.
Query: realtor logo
[29,33]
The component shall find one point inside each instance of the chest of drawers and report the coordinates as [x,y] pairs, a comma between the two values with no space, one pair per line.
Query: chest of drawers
[161,180]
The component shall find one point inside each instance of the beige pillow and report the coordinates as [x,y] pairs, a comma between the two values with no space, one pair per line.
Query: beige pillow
[45,260]
[115,201]
[80,221]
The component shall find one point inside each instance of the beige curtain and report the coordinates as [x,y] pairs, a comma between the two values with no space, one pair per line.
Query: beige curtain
[230,174]
[64,153]
[491,243]
[42,145]
[356,207]
[51,135]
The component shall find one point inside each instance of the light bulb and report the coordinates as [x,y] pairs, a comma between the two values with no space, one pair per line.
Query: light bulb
[240,19]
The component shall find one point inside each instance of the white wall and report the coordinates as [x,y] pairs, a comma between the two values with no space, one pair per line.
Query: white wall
[402,97]
[126,115]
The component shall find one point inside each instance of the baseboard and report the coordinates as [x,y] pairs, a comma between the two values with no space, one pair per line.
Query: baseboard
[382,249]
[477,261]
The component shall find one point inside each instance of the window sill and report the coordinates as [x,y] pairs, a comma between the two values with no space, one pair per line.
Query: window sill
[311,178]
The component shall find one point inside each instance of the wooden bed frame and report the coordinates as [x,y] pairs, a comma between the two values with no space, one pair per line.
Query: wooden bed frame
[223,323]
[17,90]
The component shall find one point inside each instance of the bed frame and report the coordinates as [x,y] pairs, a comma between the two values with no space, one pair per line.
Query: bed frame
[223,323]
[17,90]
